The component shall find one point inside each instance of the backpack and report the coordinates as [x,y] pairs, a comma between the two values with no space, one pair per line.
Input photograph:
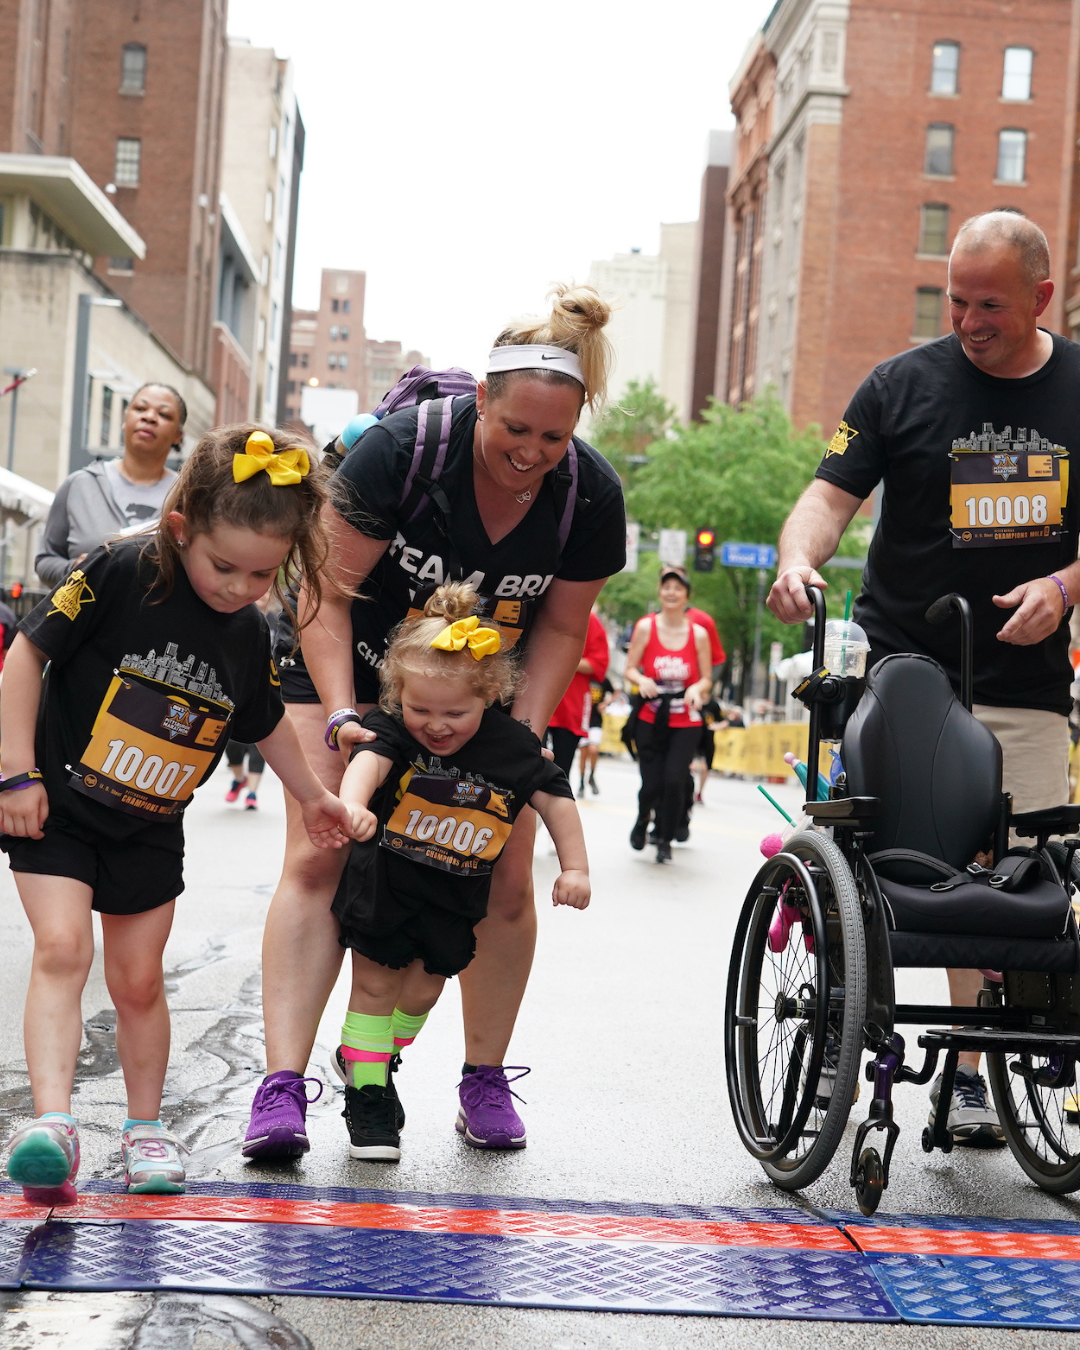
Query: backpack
[433,393]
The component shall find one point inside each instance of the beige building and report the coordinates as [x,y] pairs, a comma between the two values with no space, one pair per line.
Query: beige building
[257,209]
[57,316]
[653,313]
[386,363]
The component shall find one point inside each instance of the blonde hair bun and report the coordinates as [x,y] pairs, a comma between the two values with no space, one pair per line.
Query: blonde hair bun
[577,320]
[451,602]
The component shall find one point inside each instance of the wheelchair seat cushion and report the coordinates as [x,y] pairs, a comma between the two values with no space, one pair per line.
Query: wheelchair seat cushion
[1040,910]
[935,767]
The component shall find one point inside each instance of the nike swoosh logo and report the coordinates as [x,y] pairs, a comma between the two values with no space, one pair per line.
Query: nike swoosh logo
[544,357]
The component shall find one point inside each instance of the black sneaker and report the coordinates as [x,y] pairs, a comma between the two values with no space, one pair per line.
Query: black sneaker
[663,852]
[369,1113]
[682,834]
[340,1066]
[637,835]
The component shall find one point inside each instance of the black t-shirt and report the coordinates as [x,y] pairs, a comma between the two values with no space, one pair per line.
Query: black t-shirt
[510,576]
[141,698]
[952,444]
[453,812]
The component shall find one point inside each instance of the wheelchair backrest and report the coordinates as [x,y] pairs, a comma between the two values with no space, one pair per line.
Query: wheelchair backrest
[934,766]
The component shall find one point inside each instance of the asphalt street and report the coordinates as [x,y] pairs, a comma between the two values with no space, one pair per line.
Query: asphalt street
[622,1029]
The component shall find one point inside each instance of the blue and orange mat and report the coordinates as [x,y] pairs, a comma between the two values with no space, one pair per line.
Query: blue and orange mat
[264,1238]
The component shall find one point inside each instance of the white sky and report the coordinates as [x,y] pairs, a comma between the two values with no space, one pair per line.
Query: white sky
[465,155]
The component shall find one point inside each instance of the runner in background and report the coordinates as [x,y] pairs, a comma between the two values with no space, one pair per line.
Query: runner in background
[600,696]
[718,656]
[570,720]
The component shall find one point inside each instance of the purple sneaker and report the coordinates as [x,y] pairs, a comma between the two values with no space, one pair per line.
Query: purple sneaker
[487,1117]
[278,1128]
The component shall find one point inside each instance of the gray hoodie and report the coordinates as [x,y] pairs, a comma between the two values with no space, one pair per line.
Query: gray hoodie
[83,515]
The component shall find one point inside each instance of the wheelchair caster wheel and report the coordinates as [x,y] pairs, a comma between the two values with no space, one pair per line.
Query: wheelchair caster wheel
[869,1181]
[927,1139]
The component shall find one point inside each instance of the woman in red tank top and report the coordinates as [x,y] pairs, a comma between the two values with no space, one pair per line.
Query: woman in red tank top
[669,662]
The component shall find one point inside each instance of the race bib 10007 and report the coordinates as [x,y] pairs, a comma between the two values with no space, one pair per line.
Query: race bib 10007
[448,823]
[148,752]
[1011,492]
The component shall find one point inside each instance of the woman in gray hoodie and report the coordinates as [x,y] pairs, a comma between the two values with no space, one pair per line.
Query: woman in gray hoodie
[110,497]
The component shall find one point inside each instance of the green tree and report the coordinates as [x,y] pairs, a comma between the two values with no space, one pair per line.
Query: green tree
[739,471]
[628,428]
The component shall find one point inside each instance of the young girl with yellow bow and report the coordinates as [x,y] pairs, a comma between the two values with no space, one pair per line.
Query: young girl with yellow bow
[157,658]
[432,800]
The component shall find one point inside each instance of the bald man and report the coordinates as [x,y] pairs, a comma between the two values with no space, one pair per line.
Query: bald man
[1000,384]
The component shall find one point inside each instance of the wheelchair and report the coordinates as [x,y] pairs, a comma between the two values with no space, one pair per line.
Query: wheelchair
[884,878]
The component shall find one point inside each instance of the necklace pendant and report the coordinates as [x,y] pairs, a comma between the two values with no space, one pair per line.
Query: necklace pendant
[525,496]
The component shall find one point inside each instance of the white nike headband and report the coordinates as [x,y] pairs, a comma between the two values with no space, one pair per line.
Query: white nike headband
[534,356]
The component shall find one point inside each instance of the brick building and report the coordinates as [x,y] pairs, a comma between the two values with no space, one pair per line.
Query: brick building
[328,346]
[890,126]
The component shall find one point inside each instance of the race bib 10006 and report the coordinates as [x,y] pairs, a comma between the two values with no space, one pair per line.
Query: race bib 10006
[1010,493]
[455,825]
[148,752]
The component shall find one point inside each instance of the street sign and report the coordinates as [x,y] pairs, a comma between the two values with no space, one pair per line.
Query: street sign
[672,547]
[748,555]
[633,538]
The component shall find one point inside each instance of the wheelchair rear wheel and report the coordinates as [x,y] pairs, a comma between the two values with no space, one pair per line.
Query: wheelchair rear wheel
[795,1009]
[1033,1104]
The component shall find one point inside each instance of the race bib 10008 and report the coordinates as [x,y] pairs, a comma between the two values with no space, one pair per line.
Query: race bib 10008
[148,751]
[449,823]
[1012,492]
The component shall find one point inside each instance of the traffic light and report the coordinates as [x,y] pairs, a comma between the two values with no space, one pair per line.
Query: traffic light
[704,550]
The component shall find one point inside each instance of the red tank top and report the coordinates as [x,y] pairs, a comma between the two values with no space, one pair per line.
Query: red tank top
[672,671]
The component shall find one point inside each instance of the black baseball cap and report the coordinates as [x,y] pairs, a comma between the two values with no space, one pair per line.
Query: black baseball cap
[679,573]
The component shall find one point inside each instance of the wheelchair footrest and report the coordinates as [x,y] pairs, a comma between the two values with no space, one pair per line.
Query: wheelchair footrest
[996,1041]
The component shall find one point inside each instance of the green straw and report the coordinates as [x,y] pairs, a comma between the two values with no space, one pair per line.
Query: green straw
[775,803]
[847,607]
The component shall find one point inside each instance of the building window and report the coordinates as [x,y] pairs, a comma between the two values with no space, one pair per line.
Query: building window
[1012,156]
[290,387]
[343,360]
[331,360]
[293,358]
[346,305]
[133,68]
[1016,76]
[927,312]
[268,206]
[934,229]
[334,306]
[946,67]
[128,157]
[939,149]
[345,335]
[333,332]
[303,360]
[106,415]
[121,267]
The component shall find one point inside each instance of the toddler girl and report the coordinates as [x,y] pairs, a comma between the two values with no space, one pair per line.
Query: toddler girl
[157,657]
[432,799]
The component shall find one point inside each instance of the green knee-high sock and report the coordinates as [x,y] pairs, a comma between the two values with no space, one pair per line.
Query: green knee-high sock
[367,1042]
[406,1028]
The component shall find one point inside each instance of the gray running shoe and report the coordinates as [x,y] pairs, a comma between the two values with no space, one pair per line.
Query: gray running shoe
[973,1122]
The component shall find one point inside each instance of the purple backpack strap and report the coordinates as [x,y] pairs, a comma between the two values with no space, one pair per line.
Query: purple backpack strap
[433,420]
[566,521]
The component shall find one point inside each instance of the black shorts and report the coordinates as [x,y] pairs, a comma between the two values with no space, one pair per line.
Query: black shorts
[443,940]
[297,685]
[707,748]
[126,876]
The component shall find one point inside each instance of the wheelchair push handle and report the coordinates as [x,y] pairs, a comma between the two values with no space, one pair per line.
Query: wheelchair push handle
[939,612]
[817,599]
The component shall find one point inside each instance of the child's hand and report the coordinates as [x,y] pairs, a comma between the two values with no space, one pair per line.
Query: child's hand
[24,811]
[327,821]
[572,888]
[364,823]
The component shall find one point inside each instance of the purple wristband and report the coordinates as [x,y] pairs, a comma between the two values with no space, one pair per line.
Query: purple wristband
[1061,587]
[18,781]
[335,722]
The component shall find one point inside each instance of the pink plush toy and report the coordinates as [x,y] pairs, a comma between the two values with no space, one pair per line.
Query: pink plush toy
[771,845]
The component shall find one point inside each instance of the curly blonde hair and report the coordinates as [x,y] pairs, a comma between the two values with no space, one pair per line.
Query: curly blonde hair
[410,652]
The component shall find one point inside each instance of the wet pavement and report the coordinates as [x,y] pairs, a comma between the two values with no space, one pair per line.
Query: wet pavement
[622,1027]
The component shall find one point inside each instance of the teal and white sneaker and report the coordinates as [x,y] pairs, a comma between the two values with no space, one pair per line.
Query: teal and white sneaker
[44,1160]
[152,1163]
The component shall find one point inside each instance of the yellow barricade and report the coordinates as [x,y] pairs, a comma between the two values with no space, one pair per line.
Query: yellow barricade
[612,742]
[758,752]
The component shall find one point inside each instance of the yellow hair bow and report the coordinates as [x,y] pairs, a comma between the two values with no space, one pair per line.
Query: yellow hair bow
[481,642]
[260,453]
